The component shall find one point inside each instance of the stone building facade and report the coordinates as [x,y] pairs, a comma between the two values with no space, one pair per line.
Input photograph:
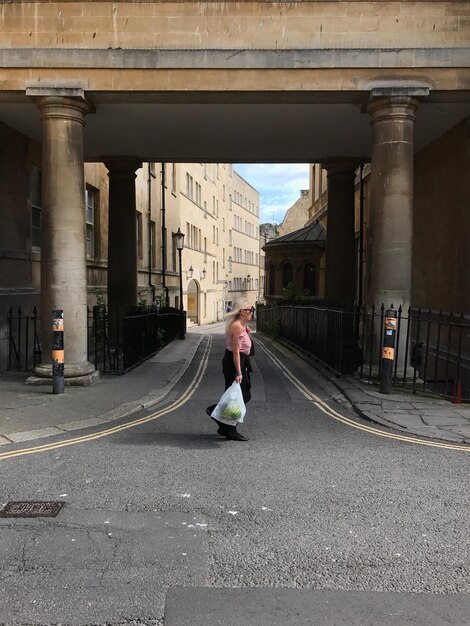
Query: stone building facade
[297,215]
[216,209]
[440,261]
[338,83]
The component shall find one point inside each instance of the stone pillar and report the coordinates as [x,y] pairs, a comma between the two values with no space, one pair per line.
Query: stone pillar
[122,238]
[340,279]
[389,250]
[63,251]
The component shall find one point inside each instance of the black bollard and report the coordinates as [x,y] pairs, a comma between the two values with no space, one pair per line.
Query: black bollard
[388,351]
[57,351]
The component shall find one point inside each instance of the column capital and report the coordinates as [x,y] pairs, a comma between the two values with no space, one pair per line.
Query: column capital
[65,103]
[392,107]
[341,167]
[122,166]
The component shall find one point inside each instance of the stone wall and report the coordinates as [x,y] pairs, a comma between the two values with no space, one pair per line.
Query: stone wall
[297,215]
[16,258]
[246,25]
[441,222]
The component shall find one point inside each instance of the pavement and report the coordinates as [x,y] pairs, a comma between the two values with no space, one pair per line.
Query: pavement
[29,413]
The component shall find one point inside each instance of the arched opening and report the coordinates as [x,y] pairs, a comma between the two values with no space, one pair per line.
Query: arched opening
[287,274]
[310,279]
[193,302]
[271,279]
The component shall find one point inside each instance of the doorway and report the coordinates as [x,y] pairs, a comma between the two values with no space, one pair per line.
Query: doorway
[193,302]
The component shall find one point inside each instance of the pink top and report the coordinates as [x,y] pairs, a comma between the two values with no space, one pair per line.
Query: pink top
[244,342]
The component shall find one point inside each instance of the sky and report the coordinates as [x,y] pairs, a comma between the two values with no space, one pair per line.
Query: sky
[279,185]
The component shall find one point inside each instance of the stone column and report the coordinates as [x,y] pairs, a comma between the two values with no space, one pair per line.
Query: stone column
[389,250]
[340,279]
[63,252]
[122,238]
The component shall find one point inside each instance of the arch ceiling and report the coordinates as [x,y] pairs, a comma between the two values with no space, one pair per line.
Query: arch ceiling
[301,128]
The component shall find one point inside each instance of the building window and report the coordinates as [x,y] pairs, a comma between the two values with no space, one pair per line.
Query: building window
[153,243]
[198,194]
[36,207]
[140,239]
[309,278]
[287,274]
[90,222]
[271,278]
[189,186]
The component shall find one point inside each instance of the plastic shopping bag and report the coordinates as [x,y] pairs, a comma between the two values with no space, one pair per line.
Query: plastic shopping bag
[230,409]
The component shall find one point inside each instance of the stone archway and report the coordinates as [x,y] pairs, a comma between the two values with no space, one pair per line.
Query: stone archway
[193,302]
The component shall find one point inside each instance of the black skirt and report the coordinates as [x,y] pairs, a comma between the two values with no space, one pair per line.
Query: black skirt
[229,371]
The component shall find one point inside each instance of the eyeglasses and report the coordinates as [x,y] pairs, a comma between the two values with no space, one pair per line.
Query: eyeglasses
[247,310]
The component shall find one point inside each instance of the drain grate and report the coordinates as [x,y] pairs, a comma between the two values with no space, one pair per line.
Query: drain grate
[31,509]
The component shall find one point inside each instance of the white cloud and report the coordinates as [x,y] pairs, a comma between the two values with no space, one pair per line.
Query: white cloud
[279,185]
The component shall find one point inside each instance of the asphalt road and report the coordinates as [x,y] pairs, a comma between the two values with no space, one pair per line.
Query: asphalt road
[309,505]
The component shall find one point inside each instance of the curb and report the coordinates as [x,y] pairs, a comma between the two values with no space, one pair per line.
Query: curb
[344,398]
[124,410]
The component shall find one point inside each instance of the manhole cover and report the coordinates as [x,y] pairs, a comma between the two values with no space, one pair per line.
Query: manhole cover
[31,509]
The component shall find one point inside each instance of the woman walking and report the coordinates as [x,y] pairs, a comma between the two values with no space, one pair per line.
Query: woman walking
[236,364]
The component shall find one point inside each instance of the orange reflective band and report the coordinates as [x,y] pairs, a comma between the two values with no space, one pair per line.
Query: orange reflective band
[388,353]
[58,356]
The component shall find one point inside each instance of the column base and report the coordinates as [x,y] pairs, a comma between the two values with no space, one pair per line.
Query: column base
[76,374]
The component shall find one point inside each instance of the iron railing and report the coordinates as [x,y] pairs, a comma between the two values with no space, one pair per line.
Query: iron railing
[432,351]
[114,345]
[23,346]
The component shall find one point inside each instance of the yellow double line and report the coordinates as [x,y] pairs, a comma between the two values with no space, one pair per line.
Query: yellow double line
[132,424]
[325,408]
[189,392]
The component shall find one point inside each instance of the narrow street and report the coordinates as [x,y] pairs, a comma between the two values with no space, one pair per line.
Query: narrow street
[225,532]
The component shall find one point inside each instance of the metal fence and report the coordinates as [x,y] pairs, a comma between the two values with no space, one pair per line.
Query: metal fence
[114,345]
[432,350]
[23,346]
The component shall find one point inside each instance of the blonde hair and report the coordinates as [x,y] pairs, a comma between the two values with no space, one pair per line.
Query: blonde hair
[235,313]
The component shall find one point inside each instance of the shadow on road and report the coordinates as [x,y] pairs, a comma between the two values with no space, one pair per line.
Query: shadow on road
[191,441]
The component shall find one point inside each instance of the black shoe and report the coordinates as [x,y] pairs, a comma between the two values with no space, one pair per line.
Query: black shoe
[210,409]
[234,435]
[223,428]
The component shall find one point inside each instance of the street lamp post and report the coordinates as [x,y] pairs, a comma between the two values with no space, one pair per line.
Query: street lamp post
[179,238]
